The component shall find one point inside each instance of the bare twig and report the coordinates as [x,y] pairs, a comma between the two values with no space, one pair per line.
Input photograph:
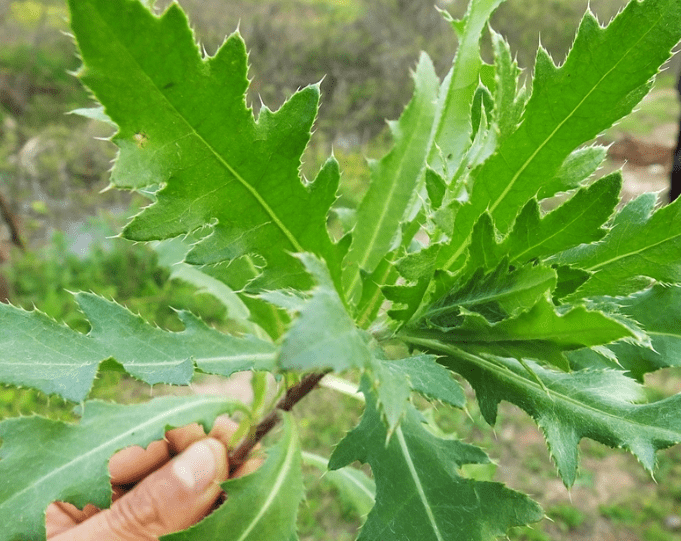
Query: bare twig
[293,395]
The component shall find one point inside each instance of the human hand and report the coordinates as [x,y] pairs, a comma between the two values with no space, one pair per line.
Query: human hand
[155,495]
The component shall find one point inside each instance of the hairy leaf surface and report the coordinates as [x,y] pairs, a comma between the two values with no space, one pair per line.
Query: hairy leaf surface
[394,381]
[42,461]
[430,379]
[323,335]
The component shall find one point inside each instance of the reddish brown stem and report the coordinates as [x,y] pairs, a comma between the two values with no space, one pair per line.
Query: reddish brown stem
[11,220]
[293,395]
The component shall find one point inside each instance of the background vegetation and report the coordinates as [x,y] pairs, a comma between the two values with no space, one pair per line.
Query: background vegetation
[52,168]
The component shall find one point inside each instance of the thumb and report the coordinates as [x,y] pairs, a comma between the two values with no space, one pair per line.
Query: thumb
[171,499]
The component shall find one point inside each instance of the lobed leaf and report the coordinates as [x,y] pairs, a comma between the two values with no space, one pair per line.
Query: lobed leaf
[658,311]
[596,404]
[505,292]
[394,380]
[453,127]
[543,333]
[42,461]
[577,221]
[450,135]
[419,494]
[184,125]
[429,379]
[607,72]
[641,245]
[323,335]
[36,351]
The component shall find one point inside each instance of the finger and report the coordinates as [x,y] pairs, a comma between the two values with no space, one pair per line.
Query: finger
[170,499]
[62,516]
[134,463]
[223,430]
[180,439]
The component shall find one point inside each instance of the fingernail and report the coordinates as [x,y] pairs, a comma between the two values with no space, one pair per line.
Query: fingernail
[195,468]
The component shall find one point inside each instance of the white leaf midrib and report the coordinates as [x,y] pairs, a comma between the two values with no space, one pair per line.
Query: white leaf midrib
[417,482]
[111,443]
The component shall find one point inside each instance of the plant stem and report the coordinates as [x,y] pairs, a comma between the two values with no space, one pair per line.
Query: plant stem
[293,395]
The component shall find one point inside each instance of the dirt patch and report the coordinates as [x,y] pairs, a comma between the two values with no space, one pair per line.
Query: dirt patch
[645,160]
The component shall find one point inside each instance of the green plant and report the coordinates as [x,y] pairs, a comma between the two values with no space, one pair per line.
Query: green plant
[567,517]
[561,313]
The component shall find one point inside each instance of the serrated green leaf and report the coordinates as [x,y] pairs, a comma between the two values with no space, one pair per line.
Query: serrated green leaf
[42,461]
[430,379]
[419,494]
[262,505]
[393,382]
[573,103]
[496,295]
[183,123]
[577,221]
[323,335]
[658,311]
[595,404]
[641,245]
[393,181]
[508,102]
[37,352]
[452,128]
[541,333]
[606,73]
[576,168]
[354,486]
[393,391]
[171,254]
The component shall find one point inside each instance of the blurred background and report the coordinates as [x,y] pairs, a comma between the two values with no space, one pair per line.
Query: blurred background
[56,227]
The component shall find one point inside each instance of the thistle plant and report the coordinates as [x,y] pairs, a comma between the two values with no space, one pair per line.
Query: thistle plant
[458,252]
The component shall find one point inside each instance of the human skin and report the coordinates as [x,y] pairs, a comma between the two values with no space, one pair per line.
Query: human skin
[167,487]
